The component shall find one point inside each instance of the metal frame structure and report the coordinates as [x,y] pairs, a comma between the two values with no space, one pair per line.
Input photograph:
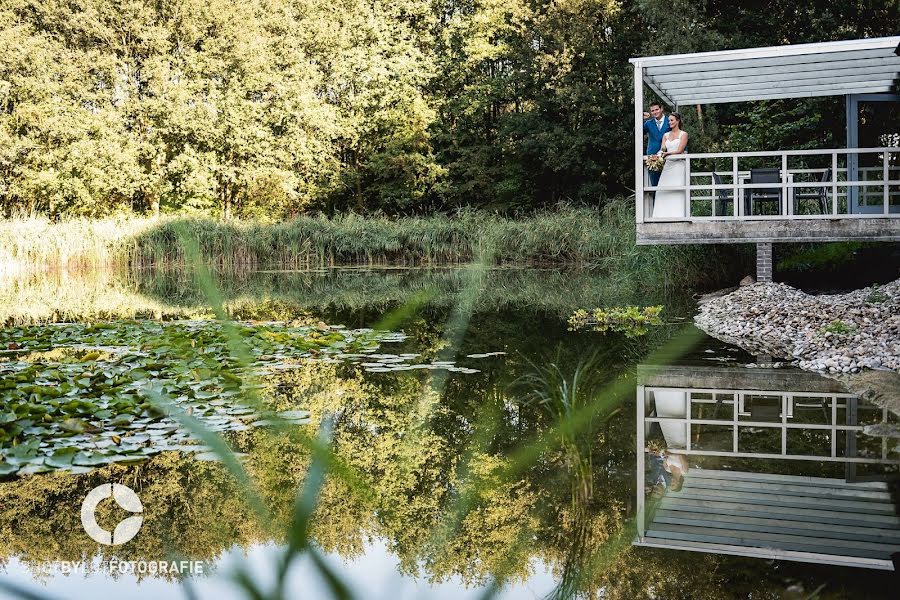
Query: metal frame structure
[848,522]
[855,68]
[737,398]
[881,182]
[865,66]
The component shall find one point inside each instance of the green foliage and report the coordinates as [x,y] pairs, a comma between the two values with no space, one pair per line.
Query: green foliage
[274,108]
[876,296]
[75,396]
[817,257]
[837,327]
[633,321]
[183,105]
[565,235]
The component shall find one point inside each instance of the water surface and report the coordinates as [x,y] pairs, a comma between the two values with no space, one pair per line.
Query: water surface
[460,396]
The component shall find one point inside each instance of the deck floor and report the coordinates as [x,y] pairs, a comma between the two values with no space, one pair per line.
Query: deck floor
[787,517]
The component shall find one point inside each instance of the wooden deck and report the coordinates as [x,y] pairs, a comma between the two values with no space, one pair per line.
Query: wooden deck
[807,519]
[806,203]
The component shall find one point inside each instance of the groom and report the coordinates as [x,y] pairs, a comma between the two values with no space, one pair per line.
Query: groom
[655,128]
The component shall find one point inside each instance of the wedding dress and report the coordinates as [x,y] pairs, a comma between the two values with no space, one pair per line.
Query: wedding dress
[673,403]
[670,203]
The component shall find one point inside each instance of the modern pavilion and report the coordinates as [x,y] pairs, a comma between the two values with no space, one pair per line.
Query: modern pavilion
[787,195]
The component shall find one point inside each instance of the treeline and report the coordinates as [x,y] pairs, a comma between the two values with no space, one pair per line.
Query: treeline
[280,107]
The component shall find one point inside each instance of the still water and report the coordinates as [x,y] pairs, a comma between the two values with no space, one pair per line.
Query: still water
[477,441]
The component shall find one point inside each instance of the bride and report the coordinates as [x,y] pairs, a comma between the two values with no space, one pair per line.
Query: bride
[670,203]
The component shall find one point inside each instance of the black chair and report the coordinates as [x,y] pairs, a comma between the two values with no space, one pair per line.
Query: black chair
[723,197]
[763,194]
[820,194]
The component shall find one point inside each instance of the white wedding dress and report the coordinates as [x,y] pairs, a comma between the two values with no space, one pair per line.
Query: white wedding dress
[670,203]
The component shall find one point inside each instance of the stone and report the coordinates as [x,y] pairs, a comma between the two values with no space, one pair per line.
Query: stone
[829,333]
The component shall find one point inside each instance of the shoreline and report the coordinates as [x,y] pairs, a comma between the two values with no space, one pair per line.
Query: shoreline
[852,337]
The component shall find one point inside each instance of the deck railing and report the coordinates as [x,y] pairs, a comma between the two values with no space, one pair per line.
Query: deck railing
[814,184]
[794,415]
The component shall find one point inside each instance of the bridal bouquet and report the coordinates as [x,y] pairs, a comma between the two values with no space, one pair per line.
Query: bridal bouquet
[656,162]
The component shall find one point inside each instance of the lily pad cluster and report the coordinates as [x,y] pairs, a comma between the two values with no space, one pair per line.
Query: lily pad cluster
[74,396]
[385,363]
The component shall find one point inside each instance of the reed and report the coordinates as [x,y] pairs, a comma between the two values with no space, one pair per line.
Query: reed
[565,235]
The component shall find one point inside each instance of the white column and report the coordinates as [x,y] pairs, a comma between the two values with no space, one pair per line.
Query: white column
[641,444]
[638,143]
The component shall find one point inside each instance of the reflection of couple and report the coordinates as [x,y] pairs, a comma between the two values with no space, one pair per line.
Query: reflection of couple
[667,468]
[665,138]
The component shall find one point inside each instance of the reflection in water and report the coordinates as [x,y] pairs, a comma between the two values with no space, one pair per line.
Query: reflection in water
[545,519]
[768,463]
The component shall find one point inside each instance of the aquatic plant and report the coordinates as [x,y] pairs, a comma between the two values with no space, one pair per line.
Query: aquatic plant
[633,321]
[78,395]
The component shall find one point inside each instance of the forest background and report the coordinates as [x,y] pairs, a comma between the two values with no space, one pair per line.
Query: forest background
[278,108]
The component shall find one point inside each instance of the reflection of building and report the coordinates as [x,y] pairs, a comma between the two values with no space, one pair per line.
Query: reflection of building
[763,447]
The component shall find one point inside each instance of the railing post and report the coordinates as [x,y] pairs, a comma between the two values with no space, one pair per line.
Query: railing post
[885,178]
[641,414]
[738,205]
[734,425]
[687,189]
[787,205]
[834,178]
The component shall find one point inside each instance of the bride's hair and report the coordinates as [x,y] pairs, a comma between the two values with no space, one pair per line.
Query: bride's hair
[677,116]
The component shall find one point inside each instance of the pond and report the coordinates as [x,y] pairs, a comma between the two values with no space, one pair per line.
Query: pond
[404,433]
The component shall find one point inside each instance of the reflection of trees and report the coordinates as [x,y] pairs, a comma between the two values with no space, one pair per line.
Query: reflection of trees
[112,294]
[567,509]
[190,508]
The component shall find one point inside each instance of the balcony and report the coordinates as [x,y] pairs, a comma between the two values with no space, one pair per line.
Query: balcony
[778,196]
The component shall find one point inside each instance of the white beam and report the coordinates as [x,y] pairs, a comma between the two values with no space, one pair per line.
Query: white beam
[838,75]
[779,93]
[886,43]
[638,143]
[659,92]
[788,62]
[843,84]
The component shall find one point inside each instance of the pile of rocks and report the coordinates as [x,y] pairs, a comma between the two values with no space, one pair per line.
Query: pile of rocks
[839,333]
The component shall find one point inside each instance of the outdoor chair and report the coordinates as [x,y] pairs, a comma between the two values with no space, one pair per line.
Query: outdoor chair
[723,197]
[820,193]
[772,195]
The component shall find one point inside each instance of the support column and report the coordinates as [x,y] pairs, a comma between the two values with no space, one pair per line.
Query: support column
[639,200]
[764,262]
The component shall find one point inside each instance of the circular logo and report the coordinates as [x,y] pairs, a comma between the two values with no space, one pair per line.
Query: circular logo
[125,498]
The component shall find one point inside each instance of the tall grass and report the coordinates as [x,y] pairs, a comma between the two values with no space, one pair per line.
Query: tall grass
[564,235]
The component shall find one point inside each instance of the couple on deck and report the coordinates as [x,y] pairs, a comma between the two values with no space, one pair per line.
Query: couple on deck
[665,138]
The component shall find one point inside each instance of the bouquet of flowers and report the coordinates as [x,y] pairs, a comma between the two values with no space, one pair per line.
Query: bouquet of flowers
[656,162]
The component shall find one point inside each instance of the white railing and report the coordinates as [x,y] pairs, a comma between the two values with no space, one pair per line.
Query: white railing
[738,417]
[840,190]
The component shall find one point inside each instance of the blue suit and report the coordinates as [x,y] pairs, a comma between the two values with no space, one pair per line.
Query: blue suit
[654,141]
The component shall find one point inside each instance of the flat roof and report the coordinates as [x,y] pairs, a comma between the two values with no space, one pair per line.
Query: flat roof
[790,71]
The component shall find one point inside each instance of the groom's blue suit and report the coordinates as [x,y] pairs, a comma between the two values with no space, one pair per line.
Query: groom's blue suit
[654,141]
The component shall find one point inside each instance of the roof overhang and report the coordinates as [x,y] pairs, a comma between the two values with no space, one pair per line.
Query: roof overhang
[864,66]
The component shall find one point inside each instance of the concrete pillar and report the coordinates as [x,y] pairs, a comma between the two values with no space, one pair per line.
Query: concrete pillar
[764,360]
[764,262]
